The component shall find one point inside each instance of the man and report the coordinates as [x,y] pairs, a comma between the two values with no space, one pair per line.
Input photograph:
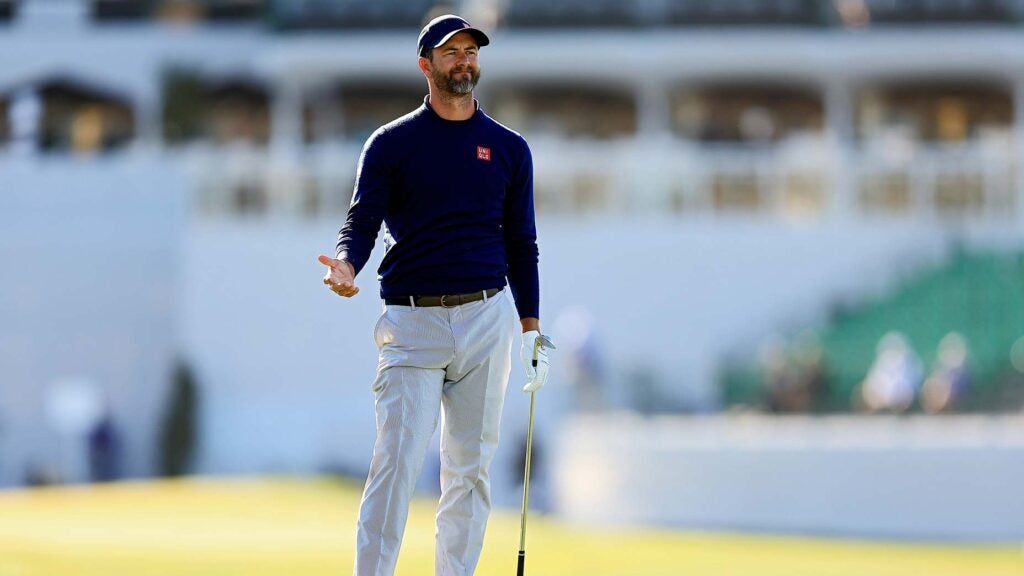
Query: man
[455,191]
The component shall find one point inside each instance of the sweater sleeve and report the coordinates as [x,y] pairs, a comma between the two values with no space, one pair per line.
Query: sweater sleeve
[369,203]
[521,239]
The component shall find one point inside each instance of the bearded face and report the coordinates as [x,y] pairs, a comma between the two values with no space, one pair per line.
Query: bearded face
[458,81]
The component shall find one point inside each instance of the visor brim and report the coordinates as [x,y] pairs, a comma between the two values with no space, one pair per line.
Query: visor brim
[478,35]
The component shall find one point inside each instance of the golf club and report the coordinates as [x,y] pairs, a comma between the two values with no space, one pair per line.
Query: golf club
[545,342]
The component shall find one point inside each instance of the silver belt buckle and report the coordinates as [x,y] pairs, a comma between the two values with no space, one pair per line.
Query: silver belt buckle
[443,305]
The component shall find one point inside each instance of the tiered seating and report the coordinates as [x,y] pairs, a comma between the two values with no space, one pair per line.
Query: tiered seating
[573,13]
[980,296]
[359,14]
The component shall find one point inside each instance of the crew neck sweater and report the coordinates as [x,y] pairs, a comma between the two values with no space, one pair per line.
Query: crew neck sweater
[456,200]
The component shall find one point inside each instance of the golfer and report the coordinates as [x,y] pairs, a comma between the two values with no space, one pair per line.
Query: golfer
[454,190]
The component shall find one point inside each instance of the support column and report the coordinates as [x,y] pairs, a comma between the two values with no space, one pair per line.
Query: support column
[149,122]
[654,130]
[840,133]
[654,114]
[1017,194]
[286,185]
[25,119]
[286,117]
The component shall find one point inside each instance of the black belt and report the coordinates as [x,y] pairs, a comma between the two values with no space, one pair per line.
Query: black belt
[446,301]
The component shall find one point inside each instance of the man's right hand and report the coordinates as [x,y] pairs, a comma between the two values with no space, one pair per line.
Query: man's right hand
[340,276]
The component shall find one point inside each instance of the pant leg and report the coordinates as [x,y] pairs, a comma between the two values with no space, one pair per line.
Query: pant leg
[407,398]
[471,415]
[407,404]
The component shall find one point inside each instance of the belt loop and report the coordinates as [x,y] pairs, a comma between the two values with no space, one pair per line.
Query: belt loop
[485,295]
[412,302]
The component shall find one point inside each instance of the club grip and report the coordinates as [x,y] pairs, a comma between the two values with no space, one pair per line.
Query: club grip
[522,561]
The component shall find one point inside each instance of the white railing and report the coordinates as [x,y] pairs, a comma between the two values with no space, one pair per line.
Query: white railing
[967,181]
[800,179]
[255,181]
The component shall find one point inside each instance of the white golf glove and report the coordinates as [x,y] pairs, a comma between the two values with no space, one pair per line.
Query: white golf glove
[535,376]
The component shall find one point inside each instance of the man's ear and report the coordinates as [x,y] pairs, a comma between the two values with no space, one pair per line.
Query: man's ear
[424,65]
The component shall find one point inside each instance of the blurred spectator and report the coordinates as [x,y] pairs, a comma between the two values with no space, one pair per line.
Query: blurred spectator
[894,378]
[775,373]
[1010,391]
[74,408]
[36,475]
[104,450]
[645,395]
[793,377]
[540,493]
[179,430]
[950,380]
[584,361]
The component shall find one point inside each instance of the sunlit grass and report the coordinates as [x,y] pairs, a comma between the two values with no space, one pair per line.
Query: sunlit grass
[255,527]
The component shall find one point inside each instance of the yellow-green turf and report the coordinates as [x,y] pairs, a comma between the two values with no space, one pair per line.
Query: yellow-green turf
[286,527]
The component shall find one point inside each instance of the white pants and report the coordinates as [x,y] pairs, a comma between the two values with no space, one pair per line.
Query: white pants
[449,361]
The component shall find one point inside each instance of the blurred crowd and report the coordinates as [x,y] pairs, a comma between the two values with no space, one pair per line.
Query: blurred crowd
[795,377]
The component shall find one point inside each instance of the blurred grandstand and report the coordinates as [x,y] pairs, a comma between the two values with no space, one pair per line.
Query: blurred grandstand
[738,201]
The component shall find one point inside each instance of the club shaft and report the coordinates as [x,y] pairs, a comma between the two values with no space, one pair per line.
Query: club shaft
[526,485]
[521,564]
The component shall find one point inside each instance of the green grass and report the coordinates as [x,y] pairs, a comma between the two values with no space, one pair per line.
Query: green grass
[255,527]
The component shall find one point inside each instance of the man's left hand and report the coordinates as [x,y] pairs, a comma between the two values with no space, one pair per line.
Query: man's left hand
[536,367]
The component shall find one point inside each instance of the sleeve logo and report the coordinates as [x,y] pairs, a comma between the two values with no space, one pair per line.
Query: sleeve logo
[483,153]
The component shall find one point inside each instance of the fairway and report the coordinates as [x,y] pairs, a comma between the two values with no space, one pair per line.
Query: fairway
[250,527]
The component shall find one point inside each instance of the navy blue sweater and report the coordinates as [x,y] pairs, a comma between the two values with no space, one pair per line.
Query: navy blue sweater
[456,198]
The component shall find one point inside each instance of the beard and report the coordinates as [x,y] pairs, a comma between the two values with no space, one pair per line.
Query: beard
[447,84]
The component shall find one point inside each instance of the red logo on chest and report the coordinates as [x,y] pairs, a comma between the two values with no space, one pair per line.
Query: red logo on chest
[483,153]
